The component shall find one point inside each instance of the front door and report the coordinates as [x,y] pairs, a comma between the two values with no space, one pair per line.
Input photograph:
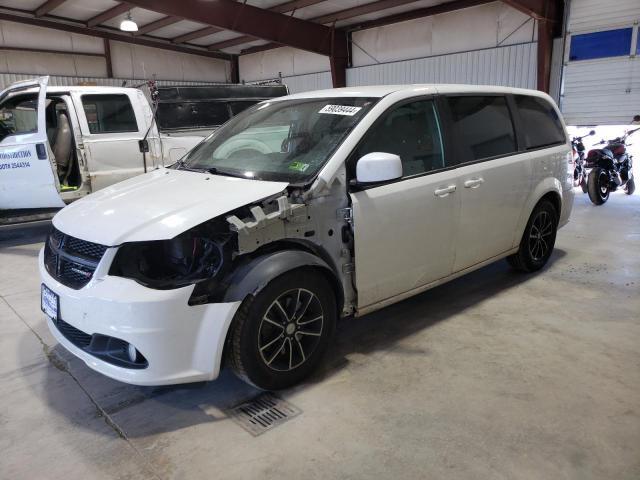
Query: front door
[404,231]
[27,175]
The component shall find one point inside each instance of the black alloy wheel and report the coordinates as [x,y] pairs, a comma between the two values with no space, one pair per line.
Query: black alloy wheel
[540,233]
[278,337]
[290,330]
[538,239]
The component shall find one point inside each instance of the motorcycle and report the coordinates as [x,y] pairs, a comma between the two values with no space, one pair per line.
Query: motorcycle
[580,172]
[611,168]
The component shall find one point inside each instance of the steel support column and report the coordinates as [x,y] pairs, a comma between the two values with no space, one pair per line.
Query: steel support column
[339,58]
[545,48]
[107,57]
[235,69]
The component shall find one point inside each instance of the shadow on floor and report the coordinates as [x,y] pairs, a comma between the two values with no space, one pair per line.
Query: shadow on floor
[143,411]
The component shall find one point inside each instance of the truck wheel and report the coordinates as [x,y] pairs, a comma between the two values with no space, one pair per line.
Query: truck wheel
[279,337]
[630,187]
[598,186]
[538,239]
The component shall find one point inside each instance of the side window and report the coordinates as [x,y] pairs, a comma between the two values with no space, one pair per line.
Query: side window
[540,122]
[412,132]
[176,115]
[109,113]
[482,127]
[19,115]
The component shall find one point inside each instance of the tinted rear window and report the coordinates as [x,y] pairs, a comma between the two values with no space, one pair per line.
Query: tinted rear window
[482,127]
[176,115]
[540,122]
[109,113]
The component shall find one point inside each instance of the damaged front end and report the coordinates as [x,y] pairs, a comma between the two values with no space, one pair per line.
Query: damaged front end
[195,256]
[215,255]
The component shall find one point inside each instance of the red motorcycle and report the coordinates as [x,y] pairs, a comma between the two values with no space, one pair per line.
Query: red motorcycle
[611,168]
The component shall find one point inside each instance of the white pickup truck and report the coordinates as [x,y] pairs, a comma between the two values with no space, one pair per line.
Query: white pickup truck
[58,144]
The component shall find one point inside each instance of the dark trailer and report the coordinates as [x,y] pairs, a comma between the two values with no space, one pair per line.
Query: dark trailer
[208,107]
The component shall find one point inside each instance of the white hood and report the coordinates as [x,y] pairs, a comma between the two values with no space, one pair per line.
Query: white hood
[158,205]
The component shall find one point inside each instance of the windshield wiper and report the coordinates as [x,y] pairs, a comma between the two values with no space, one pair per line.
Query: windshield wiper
[182,165]
[215,171]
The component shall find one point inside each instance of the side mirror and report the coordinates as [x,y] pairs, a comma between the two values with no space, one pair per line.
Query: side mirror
[592,132]
[376,167]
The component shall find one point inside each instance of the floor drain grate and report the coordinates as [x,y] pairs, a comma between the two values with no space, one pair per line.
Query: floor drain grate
[263,413]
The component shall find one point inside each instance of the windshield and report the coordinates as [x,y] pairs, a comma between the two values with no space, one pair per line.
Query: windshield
[19,115]
[287,140]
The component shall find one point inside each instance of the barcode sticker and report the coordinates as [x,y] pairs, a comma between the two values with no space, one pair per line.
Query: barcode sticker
[340,110]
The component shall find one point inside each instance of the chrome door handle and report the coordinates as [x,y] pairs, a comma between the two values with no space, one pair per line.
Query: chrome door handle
[473,183]
[443,192]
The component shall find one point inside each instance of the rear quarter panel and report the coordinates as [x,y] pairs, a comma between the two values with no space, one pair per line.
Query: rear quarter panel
[550,173]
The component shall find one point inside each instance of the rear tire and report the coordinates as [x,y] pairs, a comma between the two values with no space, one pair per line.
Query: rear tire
[598,186]
[279,337]
[630,187]
[538,239]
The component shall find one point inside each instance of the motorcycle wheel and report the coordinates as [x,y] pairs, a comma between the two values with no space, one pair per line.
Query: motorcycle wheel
[583,184]
[598,186]
[630,187]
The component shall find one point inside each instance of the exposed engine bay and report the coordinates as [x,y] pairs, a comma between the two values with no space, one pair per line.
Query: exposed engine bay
[211,254]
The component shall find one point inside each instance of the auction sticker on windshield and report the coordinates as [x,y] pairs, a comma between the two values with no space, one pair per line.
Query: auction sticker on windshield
[340,110]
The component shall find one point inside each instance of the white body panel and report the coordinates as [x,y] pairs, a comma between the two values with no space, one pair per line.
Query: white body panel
[491,194]
[27,180]
[407,238]
[404,235]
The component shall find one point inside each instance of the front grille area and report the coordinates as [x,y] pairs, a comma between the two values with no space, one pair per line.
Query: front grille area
[71,333]
[70,260]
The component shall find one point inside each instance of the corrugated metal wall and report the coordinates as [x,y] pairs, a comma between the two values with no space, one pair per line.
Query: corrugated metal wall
[605,90]
[305,83]
[513,66]
[58,80]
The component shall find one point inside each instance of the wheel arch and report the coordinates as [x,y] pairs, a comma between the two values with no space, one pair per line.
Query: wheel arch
[549,189]
[555,199]
[251,277]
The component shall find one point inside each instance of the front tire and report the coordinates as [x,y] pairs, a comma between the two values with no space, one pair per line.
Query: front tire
[538,239]
[279,337]
[598,186]
[630,187]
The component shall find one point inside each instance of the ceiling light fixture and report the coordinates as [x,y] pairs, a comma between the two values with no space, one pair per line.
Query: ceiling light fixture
[128,25]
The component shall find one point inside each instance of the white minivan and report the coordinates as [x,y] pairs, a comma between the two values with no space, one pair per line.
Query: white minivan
[298,211]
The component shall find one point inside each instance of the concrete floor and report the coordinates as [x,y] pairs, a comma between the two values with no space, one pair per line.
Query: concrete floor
[495,375]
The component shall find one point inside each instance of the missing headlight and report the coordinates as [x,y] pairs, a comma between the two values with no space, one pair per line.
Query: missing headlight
[166,264]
